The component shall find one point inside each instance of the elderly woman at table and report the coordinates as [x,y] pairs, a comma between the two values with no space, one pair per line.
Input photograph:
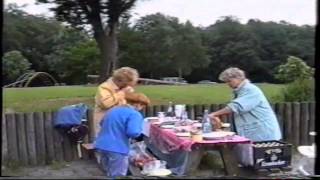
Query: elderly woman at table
[111,93]
[120,124]
[253,115]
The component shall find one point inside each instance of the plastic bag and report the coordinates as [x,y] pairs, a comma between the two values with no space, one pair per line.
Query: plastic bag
[138,155]
[244,154]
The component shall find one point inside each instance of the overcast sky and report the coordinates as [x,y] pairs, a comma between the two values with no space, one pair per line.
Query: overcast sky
[206,12]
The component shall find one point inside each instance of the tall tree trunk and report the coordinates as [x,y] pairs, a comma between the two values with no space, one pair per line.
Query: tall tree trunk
[112,51]
[103,72]
[108,45]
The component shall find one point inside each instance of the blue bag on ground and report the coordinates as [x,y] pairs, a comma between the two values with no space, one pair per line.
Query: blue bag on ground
[69,120]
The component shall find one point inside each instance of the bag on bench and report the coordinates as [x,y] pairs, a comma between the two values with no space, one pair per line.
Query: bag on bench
[71,120]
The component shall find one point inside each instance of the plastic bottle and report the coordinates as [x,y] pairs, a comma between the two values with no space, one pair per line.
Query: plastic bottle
[206,124]
[170,112]
[184,116]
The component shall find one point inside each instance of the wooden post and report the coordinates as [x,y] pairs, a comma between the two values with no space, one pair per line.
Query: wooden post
[4,146]
[190,109]
[214,107]
[12,138]
[40,137]
[207,107]
[57,141]
[304,124]
[89,118]
[91,125]
[149,111]
[312,113]
[163,108]
[296,123]
[22,145]
[279,110]
[288,123]
[156,109]
[67,149]
[198,110]
[31,139]
[75,154]
[48,127]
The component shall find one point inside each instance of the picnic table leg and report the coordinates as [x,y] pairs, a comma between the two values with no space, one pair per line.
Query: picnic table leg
[193,160]
[229,160]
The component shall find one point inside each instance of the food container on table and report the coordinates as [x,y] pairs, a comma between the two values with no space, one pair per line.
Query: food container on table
[152,119]
[196,136]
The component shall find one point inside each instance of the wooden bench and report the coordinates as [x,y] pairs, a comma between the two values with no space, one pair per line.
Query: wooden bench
[87,150]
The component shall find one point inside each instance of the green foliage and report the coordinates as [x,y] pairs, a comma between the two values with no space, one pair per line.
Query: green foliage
[77,62]
[14,64]
[294,69]
[161,46]
[299,90]
[231,43]
[49,38]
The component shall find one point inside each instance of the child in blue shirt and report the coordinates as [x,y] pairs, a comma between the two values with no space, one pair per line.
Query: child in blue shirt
[118,125]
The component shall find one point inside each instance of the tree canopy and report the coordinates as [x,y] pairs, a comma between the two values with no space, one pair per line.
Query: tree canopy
[103,17]
[158,46]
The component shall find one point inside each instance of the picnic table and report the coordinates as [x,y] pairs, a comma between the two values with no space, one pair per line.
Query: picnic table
[183,150]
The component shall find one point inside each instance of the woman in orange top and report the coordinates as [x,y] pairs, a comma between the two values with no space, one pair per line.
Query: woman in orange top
[111,93]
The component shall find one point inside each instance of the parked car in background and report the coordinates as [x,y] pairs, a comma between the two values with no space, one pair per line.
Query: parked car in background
[206,82]
[174,80]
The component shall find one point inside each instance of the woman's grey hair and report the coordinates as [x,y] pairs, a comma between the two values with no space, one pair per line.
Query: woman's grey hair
[232,73]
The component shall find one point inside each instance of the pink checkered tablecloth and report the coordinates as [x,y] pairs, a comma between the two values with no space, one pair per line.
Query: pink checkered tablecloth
[167,141]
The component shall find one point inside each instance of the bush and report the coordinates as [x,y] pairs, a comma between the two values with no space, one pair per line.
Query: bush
[294,69]
[299,90]
[14,64]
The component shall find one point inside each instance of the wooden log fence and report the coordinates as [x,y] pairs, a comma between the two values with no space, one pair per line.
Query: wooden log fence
[30,139]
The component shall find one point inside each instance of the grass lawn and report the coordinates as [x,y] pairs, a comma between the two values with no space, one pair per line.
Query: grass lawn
[52,98]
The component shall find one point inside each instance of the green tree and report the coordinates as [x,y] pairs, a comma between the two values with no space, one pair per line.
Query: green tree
[299,90]
[188,52]
[300,78]
[231,43]
[294,69]
[78,61]
[157,35]
[103,16]
[14,64]
[167,47]
[48,37]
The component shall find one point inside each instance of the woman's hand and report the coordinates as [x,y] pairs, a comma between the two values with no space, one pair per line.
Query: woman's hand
[217,122]
[128,89]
